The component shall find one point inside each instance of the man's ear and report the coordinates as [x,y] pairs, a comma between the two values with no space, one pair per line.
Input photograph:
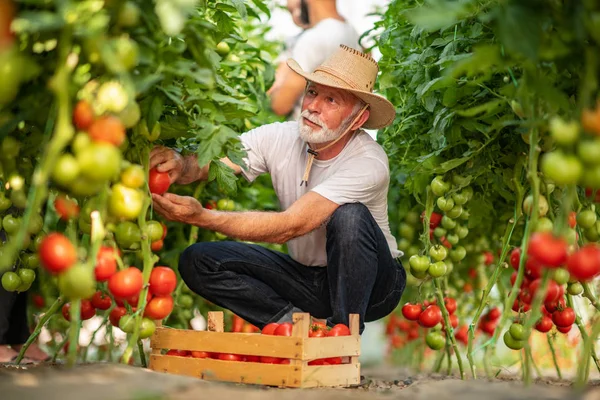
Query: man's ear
[361,121]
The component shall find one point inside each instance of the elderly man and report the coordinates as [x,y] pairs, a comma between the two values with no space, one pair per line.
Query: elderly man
[332,180]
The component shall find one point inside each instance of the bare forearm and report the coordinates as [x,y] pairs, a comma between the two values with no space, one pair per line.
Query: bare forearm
[254,226]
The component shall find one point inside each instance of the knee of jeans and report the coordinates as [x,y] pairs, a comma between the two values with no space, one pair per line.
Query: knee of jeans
[192,263]
[349,220]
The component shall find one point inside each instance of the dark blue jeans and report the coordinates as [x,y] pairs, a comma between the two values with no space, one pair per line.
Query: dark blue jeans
[262,285]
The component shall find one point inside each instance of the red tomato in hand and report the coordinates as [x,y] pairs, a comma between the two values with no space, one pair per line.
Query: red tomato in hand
[106,263]
[101,301]
[57,253]
[162,281]
[126,283]
[159,307]
[411,311]
[339,330]
[158,182]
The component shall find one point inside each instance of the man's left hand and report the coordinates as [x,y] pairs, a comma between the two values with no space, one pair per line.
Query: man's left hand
[184,209]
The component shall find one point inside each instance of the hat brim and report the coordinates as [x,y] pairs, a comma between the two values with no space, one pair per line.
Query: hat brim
[381,111]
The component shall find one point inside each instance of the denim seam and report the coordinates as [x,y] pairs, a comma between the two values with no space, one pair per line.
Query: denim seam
[386,298]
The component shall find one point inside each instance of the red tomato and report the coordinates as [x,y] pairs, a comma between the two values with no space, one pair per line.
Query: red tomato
[584,264]
[178,353]
[101,301]
[132,301]
[552,293]
[158,182]
[520,305]
[544,324]
[126,283]
[57,253]
[563,318]
[435,220]
[564,329]
[515,258]
[488,326]
[107,129]
[411,311]
[157,246]
[284,329]
[106,263]
[66,208]
[164,231]
[430,317]
[339,330]
[334,360]
[572,219]
[38,301]
[116,314]
[230,357]
[462,335]
[162,281]
[87,310]
[533,268]
[488,257]
[318,362]
[199,354]
[552,306]
[551,251]
[453,321]
[403,325]
[493,314]
[159,307]
[83,115]
[269,329]
[317,333]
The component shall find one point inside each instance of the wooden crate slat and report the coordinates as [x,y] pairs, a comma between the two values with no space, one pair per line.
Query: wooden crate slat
[326,347]
[216,342]
[331,375]
[230,371]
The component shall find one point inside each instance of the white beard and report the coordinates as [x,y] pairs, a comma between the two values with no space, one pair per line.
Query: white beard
[317,136]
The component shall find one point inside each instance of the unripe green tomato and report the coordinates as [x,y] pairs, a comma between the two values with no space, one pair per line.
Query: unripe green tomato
[571,236]
[36,223]
[127,323]
[461,231]
[445,204]
[31,260]
[560,276]
[66,170]
[586,219]
[544,225]
[185,301]
[448,223]
[517,331]
[564,133]
[456,212]
[419,263]
[575,288]
[458,253]
[407,232]
[81,141]
[561,168]
[438,252]
[589,151]
[27,275]
[403,245]
[435,340]
[452,238]
[437,269]
[11,281]
[542,205]
[449,266]
[465,215]
[5,203]
[468,192]
[77,282]
[439,187]
[512,343]
[186,314]
[412,250]
[147,328]
[439,232]
[459,198]
[412,218]
[418,274]
[591,234]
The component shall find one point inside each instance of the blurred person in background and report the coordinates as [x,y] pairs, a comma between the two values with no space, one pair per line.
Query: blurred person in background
[326,31]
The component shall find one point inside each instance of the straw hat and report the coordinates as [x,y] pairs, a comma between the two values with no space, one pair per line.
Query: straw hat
[356,72]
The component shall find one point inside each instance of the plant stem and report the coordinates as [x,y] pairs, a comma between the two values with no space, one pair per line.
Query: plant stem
[583,368]
[532,361]
[448,325]
[587,293]
[74,332]
[142,354]
[584,335]
[60,347]
[554,360]
[36,332]
[437,367]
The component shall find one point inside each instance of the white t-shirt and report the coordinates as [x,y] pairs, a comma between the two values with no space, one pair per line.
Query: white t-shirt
[316,44]
[360,173]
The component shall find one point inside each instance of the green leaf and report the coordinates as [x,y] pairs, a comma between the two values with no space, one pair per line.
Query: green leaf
[241,8]
[225,177]
[519,28]
[221,98]
[37,21]
[262,7]
[438,14]
[483,110]
[154,112]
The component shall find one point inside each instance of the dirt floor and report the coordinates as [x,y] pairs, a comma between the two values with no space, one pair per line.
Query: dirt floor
[116,382]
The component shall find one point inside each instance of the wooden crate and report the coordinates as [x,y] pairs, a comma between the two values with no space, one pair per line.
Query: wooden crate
[299,348]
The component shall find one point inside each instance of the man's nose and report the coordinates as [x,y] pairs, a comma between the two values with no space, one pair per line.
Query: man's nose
[314,106]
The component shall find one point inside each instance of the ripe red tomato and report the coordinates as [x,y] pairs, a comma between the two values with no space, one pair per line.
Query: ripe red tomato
[563,318]
[101,301]
[230,357]
[158,182]
[552,306]
[162,281]
[584,264]
[159,307]
[284,329]
[434,220]
[126,283]
[515,258]
[552,293]
[488,326]
[430,317]
[551,251]
[462,335]
[164,231]
[564,329]
[450,304]
[133,300]
[87,310]
[199,354]
[411,311]
[544,324]
[106,263]
[116,314]
[178,353]
[83,115]
[533,268]
[339,330]
[57,253]
[66,208]
[269,329]
[488,257]
[572,219]
[493,314]
[38,301]
[107,129]
[317,332]
[157,246]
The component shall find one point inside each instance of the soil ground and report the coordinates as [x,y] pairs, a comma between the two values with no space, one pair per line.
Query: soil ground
[121,382]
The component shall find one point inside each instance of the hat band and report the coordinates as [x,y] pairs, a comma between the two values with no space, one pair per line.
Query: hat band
[335,74]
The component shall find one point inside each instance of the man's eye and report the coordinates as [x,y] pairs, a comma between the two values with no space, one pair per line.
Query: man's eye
[331,99]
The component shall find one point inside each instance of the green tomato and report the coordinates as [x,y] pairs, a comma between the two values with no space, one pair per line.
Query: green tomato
[226,205]
[18,199]
[419,263]
[439,187]
[154,230]
[448,223]
[133,176]
[83,187]
[437,269]
[561,168]
[126,51]
[185,301]
[31,260]
[131,114]
[24,287]
[452,238]
[564,133]
[36,223]
[5,203]
[403,244]
[112,97]
[512,343]
[544,225]
[445,204]
[586,219]
[455,212]
[449,266]
[99,161]
[129,15]
[461,231]
[412,218]
[517,331]
[468,192]
[591,177]
[435,340]
[66,170]
[127,323]
[11,281]
[128,235]
[459,198]
[460,180]
[406,231]
[458,253]
[124,202]
[36,242]
[542,205]
[560,276]
[10,71]
[223,48]
[418,274]
[575,288]
[80,142]
[147,328]
[439,232]
[589,151]
[412,250]
[27,275]
[438,252]
[77,282]
[11,224]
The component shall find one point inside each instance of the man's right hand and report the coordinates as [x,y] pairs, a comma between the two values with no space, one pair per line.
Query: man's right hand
[170,161]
